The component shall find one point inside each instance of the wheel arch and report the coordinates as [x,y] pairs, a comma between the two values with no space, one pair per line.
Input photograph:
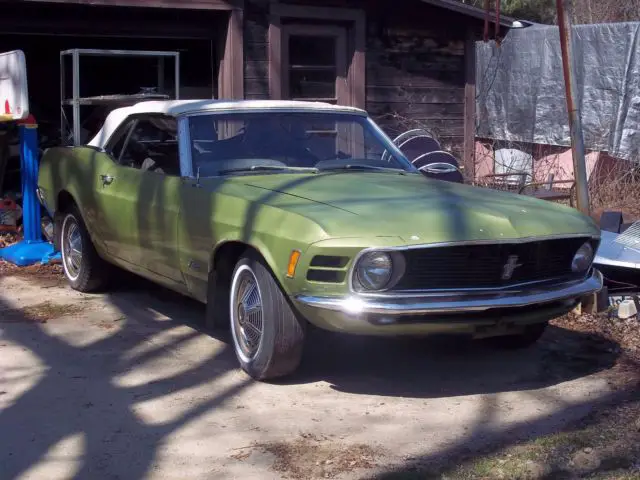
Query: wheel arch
[226,255]
[65,199]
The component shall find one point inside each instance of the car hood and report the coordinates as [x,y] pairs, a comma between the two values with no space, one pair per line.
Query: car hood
[417,209]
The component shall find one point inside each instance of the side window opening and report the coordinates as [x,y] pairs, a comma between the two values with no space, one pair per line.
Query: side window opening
[117,142]
[153,146]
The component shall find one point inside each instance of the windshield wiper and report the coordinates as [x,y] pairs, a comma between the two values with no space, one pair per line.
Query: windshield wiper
[257,168]
[364,167]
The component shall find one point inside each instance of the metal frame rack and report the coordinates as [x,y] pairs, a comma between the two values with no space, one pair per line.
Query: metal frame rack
[76,101]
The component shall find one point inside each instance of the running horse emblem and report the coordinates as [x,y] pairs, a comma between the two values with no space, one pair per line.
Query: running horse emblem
[510,267]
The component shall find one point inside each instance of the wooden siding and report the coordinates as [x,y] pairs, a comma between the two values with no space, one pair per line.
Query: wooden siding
[416,71]
[231,66]
[415,63]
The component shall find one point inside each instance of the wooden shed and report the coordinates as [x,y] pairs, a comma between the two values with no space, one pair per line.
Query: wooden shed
[410,63]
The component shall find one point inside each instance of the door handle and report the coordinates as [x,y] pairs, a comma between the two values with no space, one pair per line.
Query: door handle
[107,179]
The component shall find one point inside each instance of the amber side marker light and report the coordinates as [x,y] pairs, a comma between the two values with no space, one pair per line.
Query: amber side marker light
[293,263]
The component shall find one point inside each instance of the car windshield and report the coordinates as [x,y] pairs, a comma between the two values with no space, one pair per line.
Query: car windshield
[295,142]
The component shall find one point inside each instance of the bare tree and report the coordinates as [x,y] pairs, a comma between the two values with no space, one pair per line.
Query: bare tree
[606,11]
[585,11]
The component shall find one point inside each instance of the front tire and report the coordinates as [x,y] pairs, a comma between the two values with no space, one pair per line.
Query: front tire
[268,336]
[84,269]
[530,336]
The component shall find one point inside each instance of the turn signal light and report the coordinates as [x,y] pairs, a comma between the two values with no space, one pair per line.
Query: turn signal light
[293,263]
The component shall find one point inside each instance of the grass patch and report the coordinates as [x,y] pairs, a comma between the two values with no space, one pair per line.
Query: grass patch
[605,445]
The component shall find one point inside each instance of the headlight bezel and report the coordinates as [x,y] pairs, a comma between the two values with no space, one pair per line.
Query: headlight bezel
[590,249]
[398,267]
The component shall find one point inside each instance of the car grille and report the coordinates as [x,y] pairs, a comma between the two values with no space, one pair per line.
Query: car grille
[483,265]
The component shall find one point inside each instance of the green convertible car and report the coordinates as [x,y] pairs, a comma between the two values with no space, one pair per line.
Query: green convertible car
[277,214]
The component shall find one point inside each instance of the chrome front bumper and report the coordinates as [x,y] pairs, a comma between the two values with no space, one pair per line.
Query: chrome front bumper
[455,302]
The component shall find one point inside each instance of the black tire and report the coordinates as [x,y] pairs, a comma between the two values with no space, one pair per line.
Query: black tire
[92,273]
[279,349]
[526,339]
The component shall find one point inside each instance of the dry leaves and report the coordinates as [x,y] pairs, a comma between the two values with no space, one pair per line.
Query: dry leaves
[9,238]
[313,457]
[41,312]
[625,333]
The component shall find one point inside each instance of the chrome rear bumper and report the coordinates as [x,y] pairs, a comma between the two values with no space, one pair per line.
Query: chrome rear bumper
[455,302]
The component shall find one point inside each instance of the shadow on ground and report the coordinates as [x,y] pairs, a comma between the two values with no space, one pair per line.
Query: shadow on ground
[117,442]
[431,367]
[451,366]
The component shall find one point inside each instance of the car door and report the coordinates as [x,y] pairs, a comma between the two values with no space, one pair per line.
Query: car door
[114,202]
[139,195]
[154,140]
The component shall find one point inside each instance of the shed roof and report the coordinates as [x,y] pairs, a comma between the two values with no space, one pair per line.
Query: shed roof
[470,10]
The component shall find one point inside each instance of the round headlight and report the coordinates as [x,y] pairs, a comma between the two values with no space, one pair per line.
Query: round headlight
[582,259]
[374,270]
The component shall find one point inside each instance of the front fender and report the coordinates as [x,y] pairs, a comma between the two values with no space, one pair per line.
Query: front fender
[276,252]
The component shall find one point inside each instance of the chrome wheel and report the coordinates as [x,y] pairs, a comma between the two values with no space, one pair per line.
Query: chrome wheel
[246,313]
[71,247]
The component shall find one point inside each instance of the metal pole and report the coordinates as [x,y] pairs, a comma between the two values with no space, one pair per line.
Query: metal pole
[177,76]
[76,97]
[161,75]
[575,123]
[63,93]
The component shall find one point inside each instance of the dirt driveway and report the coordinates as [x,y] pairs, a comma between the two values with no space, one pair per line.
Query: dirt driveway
[127,385]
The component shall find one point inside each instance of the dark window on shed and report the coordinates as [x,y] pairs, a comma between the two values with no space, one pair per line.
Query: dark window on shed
[314,63]
[312,67]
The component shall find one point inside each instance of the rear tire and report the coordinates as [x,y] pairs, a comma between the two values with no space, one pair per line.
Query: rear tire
[83,267]
[268,336]
[526,339]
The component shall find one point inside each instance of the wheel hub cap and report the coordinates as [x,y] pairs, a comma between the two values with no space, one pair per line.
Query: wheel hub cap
[248,319]
[72,249]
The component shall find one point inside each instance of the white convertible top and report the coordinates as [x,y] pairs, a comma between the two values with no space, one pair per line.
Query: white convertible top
[185,107]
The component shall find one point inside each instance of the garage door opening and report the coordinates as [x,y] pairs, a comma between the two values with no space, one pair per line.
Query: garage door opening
[43,31]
